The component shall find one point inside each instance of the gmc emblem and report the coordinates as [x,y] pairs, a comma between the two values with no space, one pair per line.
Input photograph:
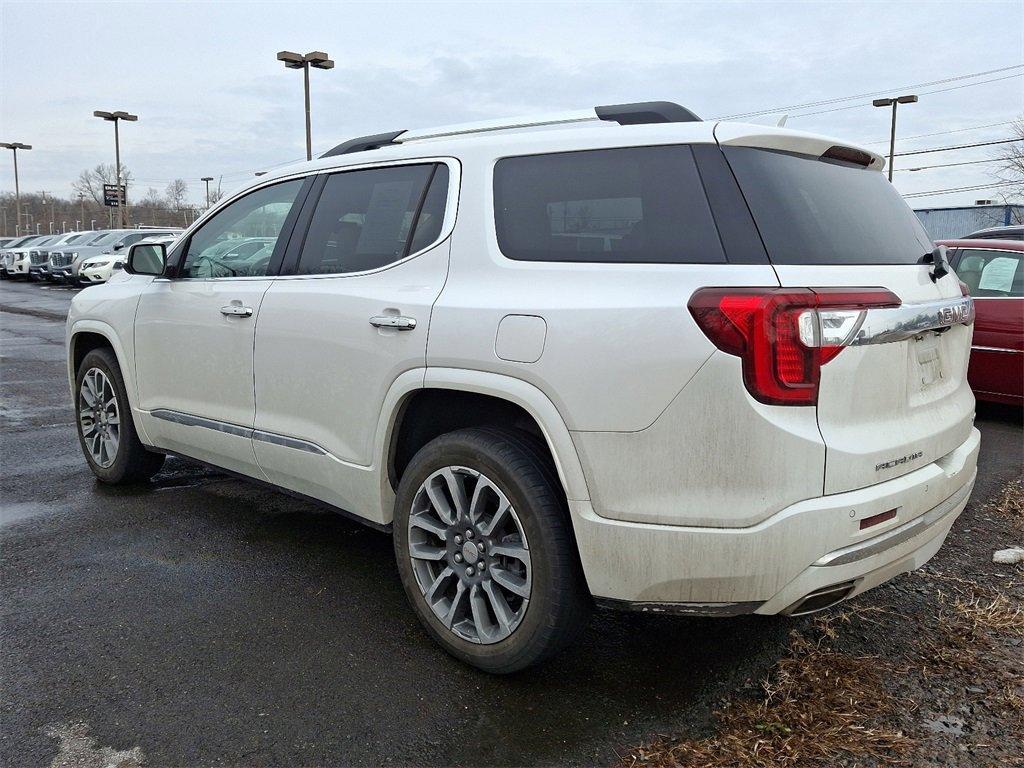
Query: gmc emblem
[955,314]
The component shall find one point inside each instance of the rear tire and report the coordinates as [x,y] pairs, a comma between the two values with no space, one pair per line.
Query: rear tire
[106,430]
[514,594]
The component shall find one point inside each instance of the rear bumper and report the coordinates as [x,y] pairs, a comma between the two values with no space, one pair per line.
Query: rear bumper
[813,546]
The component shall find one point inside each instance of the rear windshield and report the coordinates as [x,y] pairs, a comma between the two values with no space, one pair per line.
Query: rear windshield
[811,211]
[632,205]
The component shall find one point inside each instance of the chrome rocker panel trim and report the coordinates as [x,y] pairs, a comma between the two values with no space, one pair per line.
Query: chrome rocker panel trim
[189,420]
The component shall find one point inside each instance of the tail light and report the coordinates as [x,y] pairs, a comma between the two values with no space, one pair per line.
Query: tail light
[769,330]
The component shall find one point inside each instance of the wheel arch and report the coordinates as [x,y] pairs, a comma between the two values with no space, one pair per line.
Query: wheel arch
[518,395]
[87,335]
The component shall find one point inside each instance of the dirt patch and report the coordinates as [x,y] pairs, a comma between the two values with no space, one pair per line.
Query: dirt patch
[928,670]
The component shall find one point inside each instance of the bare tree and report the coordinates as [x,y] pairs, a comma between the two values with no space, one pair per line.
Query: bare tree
[1010,168]
[218,193]
[176,193]
[90,182]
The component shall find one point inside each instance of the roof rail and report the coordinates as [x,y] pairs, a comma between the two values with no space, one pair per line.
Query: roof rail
[639,113]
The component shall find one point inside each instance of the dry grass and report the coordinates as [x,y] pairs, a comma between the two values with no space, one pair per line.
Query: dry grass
[1010,501]
[819,706]
[816,706]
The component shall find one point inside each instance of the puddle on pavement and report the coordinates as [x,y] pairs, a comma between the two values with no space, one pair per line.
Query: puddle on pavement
[11,513]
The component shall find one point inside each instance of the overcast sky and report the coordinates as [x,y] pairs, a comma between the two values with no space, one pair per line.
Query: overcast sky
[213,101]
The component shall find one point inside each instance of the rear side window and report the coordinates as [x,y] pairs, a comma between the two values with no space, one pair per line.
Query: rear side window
[991,274]
[368,219]
[631,205]
[812,211]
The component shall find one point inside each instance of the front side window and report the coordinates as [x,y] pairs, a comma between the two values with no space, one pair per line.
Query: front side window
[991,274]
[368,219]
[213,250]
[629,205]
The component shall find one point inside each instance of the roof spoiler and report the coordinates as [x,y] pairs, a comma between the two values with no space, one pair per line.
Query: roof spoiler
[639,113]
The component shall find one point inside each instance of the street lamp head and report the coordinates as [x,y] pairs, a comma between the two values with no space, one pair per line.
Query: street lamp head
[291,60]
[907,99]
[319,60]
[104,115]
[126,116]
[882,103]
[113,116]
[15,145]
[207,178]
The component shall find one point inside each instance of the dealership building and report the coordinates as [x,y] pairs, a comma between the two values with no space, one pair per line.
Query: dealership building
[951,223]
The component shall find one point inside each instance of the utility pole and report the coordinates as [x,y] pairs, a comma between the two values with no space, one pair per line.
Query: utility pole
[893,102]
[14,147]
[3,209]
[316,59]
[207,179]
[115,117]
[81,206]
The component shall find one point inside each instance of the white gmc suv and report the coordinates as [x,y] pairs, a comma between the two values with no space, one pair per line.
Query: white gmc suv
[618,356]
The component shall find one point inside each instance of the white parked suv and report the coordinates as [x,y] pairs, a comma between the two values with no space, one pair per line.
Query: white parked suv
[99,269]
[618,356]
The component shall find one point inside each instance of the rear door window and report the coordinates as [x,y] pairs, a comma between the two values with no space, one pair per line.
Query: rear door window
[990,273]
[629,205]
[813,211]
[367,219]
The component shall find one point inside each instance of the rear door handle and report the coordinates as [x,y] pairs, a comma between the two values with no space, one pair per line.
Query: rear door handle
[398,322]
[236,310]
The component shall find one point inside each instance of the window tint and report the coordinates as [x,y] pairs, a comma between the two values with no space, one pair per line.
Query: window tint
[640,204]
[991,273]
[812,211]
[363,219]
[213,251]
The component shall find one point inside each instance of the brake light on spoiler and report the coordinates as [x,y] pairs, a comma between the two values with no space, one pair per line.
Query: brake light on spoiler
[784,335]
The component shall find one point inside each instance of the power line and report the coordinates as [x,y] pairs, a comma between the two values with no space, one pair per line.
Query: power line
[923,93]
[947,165]
[840,99]
[957,146]
[939,133]
[960,189]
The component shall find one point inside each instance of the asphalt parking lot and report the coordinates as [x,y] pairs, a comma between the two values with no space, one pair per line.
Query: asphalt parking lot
[203,620]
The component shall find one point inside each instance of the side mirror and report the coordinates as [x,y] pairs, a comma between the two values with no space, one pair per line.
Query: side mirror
[146,259]
[118,246]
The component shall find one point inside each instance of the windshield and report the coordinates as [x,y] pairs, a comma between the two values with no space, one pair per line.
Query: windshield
[109,238]
[812,211]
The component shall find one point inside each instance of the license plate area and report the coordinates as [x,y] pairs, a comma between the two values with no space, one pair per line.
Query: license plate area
[927,360]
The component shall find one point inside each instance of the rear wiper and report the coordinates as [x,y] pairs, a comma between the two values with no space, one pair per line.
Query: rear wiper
[938,258]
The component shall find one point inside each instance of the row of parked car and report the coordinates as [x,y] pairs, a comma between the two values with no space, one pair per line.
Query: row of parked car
[73,258]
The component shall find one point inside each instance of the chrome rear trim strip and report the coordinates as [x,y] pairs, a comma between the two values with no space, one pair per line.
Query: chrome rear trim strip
[857,327]
[897,536]
[189,420]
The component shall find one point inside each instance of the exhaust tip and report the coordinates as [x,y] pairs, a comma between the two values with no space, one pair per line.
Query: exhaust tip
[823,598]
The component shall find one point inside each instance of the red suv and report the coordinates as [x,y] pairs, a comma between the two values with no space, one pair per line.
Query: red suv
[993,272]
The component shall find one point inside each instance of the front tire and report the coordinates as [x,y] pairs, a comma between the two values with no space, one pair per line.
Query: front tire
[485,550]
[106,430]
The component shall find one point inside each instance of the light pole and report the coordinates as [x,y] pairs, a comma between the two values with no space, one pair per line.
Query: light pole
[317,59]
[207,179]
[114,117]
[894,102]
[14,147]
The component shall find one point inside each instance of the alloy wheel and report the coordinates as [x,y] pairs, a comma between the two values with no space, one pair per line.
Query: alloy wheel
[470,555]
[99,417]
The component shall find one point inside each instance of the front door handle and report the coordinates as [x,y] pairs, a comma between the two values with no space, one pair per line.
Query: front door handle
[236,310]
[398,322]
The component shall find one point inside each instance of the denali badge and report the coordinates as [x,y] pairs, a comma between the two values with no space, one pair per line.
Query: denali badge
[896,462]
